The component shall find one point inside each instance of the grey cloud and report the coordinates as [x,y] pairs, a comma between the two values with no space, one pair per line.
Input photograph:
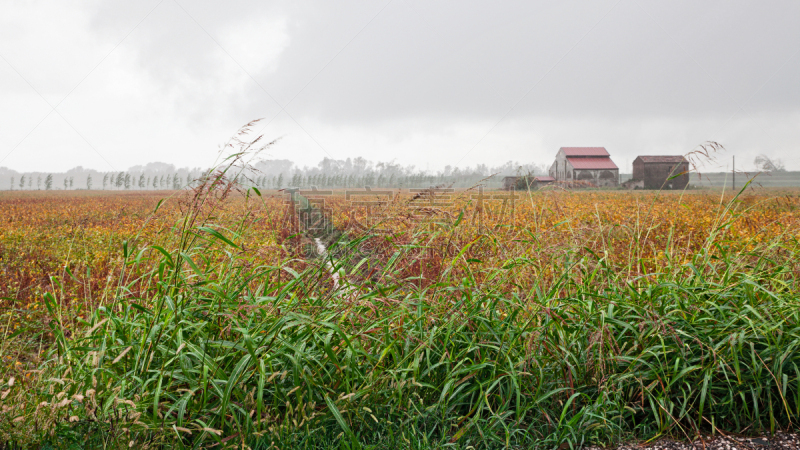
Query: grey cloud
[478,58]
[404,78]
[699,63]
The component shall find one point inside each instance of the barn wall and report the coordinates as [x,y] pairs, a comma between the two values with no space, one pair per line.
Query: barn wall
[682,181]
[509,182]
[559,169]
[656,174]
[599,178]
[638,169]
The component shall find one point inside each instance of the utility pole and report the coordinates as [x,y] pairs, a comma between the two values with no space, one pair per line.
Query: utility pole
[734,172]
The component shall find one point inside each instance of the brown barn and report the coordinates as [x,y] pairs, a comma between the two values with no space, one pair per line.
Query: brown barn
[654,171]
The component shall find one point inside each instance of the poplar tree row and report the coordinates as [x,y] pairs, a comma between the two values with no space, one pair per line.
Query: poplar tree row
[124,180]
[118,181]
[352,181]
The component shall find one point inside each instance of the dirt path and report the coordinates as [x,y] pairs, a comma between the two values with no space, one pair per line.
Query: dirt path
[780,441]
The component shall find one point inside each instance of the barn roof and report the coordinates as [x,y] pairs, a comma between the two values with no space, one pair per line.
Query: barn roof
[662,159]
[592,163]
[544,179]
[585,151]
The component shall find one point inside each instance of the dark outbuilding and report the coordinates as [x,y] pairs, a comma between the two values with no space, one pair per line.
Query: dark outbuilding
[509,183]
[657,172]
[525,182]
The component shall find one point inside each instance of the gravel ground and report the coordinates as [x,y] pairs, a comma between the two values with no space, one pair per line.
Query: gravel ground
[778,441]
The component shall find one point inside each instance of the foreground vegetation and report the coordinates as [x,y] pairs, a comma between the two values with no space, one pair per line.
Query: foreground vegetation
[571,318]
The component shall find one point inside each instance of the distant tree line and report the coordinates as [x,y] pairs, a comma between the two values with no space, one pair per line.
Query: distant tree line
[110,181]
[359,172]
[124,180]
[269,174]
[338,181]
[153,176]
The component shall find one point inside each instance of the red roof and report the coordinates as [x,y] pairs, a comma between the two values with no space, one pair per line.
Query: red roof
[544,179]
[592,163]
[585,151]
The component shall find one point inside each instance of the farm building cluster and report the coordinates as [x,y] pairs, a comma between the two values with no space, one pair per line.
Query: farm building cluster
[576,167]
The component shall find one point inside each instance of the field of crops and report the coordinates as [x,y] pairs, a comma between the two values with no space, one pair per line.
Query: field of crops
[414,320]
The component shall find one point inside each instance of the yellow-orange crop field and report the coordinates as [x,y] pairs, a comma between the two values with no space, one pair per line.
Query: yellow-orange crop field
[73,242]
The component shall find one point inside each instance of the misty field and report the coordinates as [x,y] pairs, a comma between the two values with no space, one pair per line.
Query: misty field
[233,317]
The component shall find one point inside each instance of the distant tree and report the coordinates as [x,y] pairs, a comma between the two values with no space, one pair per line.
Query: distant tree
[66,182]
[105,181]
[767,164]
[280,181]
[30,182]
[146,185]
[71,180]
[120,180]
[48,181]
[176,182]
[127,180]
[161,182]
[89,182]
[155,182]
[141,181]
[39,183]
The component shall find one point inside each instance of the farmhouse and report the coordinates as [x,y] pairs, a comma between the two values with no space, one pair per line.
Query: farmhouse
[585,166]
[654,172]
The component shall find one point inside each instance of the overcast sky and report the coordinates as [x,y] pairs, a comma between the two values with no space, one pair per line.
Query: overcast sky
[111,84]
